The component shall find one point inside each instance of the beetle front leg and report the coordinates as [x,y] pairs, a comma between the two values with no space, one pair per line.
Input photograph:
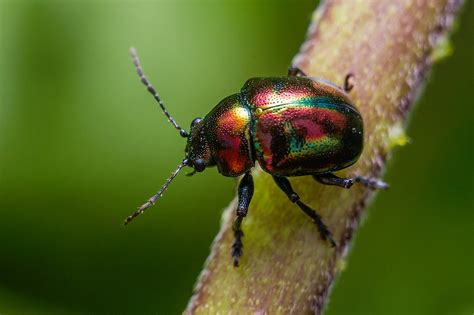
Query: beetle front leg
[331,179]
[245,193]
[285,185]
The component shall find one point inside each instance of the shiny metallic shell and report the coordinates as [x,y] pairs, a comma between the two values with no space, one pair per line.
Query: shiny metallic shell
[302,126]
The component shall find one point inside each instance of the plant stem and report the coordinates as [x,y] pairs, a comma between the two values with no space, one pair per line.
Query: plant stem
[389,46]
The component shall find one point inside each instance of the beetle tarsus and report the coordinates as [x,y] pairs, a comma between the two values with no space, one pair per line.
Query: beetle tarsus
[322,228]
[347,82]
[245,193]
[237,246]
[324,231]
[372,183]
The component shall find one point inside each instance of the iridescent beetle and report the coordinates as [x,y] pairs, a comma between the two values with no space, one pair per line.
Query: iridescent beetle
[293,126]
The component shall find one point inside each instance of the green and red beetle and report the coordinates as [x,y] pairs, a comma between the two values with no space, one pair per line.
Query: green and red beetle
[292,126]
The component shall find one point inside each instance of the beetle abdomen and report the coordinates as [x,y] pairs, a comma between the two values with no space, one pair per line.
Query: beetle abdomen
[302,126]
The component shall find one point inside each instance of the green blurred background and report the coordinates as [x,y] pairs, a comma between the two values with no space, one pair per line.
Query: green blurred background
[82,144]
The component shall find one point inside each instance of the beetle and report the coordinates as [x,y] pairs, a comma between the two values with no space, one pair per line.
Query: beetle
[292,126]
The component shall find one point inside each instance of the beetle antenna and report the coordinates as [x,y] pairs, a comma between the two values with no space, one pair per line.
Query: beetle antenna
[152,200]
[153,92]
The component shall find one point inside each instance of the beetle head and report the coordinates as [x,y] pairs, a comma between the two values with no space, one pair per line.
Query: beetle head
[198,151]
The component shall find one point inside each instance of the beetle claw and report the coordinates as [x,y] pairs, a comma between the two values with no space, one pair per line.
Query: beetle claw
[332,241]
[325,233]
[236,252]
[381,184]
[236,261]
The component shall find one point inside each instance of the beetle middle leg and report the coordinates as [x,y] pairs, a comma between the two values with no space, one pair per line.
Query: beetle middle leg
[296,72]
[285,185]
[245,193]
[331,179]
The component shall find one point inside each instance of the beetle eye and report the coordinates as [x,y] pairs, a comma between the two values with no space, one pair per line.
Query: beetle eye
[195,121]
[199,165]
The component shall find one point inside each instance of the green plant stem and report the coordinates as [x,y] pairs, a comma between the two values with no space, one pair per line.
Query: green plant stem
[286,268]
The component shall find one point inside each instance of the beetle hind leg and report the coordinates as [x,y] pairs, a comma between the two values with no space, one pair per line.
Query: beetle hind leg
[348,86]
[331,179]
[285,186]
[296,72]
[245,193]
